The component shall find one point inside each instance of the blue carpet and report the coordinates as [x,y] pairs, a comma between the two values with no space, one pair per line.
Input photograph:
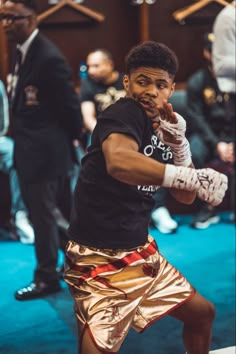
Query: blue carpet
[47,326]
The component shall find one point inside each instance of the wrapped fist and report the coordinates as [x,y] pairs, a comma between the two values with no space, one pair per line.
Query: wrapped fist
[209,184]
[170,129]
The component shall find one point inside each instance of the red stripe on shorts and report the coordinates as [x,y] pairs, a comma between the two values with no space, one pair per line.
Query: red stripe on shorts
[118,264]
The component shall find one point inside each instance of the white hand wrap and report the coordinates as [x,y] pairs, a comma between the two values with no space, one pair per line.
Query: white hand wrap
[213,186]
[209,184]
[181,178]
[175,129]
[181,151]
[182,154]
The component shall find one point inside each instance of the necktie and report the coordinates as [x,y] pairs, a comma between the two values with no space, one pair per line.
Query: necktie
[18,60]
[15,74]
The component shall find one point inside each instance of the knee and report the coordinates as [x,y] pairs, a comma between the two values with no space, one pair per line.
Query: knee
[203,314]
[207,314]
[211,312]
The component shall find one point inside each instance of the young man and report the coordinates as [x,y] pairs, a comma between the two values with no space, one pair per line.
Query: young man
[116,275]
[102,87]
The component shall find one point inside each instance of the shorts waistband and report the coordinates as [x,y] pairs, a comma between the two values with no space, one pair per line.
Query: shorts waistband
[116,250]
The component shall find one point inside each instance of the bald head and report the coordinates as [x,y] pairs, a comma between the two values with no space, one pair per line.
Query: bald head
[30,4]
[100,65]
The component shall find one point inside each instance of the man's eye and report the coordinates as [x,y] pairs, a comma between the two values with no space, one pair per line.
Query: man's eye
[141,83]
[161,86]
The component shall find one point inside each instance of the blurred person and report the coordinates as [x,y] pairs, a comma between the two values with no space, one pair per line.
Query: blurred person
[117,276]
[102,87]
[46,124]
[19,226]
[4,110]
[209,129]
[224,63]
[224,49]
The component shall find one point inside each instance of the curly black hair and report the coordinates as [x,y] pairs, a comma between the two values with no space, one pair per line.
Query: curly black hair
[30,4]
[152,54]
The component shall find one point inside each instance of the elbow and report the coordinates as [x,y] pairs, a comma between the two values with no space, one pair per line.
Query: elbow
[114,171]
[116,168]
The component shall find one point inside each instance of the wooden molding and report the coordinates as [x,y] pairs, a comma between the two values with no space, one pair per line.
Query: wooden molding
[181,14]
[3,56]
[94,15]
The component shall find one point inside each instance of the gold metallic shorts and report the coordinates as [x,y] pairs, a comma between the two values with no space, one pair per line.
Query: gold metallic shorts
[114,290]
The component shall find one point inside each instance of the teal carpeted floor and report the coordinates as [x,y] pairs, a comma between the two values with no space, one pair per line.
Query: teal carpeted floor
[47,326]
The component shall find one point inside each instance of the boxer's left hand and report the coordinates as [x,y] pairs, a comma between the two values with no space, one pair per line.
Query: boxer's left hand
[171,127]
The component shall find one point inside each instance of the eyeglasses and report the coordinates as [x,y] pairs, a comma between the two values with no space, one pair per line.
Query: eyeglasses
[9,18]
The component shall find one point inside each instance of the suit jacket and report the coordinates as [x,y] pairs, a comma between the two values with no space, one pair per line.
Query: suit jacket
[4,113]
[46,115]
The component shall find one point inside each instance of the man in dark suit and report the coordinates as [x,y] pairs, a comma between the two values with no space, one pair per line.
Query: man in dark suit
[46,124]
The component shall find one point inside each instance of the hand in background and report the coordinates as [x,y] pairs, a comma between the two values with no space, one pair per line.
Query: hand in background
[225,151]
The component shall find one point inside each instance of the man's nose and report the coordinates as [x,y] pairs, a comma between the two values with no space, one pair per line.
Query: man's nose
[152,91]
[91,70]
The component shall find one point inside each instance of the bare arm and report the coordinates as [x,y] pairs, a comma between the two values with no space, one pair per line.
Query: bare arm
[126,164]
[89,115]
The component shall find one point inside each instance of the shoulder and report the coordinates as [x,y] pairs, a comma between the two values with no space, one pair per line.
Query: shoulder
[87,82]
[225,19]
[87,89]
[45,48]
[125,116]
[226,12]
[125,107]
[129,103]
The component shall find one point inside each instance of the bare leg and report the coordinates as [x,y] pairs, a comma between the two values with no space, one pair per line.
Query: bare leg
[87,345]
[197,316]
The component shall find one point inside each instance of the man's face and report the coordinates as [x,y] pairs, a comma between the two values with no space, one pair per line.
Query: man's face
[16,22]
[99,67]
[149,86]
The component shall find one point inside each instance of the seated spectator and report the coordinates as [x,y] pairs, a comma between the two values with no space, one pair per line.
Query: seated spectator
[19,225]
[102,87]
[224,64]
[210,133]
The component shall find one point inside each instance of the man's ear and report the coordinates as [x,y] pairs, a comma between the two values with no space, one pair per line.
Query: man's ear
[172,89]
[126,82]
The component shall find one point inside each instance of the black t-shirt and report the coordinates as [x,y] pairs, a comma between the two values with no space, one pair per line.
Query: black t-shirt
[107,213]
[102,95]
